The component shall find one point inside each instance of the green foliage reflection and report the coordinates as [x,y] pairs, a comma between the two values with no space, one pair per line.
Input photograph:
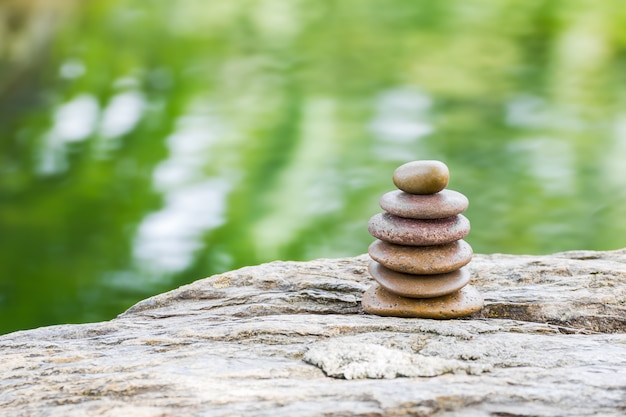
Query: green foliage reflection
[148,144]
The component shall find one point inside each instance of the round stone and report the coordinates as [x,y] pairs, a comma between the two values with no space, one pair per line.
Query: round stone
[377,300]
[419,286]
[413,232]
[421,177]
[422,259]
[445,203]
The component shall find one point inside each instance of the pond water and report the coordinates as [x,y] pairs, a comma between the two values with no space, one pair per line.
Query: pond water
[149,144]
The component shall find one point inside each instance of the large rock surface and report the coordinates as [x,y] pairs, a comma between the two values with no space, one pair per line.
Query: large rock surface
[290,339]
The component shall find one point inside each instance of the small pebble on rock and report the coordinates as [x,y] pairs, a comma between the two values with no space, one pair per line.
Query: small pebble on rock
[445,203]
[421,177]
[422,260]
[377,300]
[414,232]
[419,286]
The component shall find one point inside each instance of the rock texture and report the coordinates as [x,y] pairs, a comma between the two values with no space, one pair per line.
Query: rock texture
[288,338]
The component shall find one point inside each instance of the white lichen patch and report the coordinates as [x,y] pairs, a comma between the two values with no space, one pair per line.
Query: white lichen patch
[340,358]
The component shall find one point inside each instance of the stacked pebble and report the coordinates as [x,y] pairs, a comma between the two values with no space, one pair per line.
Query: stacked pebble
[419,257]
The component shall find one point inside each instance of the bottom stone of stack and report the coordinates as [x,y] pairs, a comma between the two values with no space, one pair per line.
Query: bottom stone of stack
[377,300]
[419,286]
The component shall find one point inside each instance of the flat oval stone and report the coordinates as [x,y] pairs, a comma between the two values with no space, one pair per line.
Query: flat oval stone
[437,259]
[419,286]
[445,203]
[377,300]
[421,177]
[413,232]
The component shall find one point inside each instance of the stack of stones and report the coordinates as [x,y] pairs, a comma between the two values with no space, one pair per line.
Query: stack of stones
[419,257]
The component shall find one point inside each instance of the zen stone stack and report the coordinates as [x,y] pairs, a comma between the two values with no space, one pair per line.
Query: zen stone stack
[419,257]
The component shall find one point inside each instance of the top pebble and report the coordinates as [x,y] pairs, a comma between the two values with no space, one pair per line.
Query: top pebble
[421,177]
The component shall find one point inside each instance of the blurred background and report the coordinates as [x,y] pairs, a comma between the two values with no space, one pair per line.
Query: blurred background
[148,144]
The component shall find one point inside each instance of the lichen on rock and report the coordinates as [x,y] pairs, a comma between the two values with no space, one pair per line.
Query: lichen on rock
[357,359]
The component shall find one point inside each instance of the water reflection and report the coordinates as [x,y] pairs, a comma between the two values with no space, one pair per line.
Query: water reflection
[309,186]
[614,170]
[167,240]
[72,68]
[74,121]
[120,117]
[186,138]
[550,161]
[401,120]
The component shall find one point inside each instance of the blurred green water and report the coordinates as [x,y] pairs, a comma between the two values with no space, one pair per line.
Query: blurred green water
[148,144]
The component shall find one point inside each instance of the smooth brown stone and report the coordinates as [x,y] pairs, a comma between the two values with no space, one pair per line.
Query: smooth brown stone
[422,259]
[413,232]
[419,286]
[445,203]
[421,177]
[377,300]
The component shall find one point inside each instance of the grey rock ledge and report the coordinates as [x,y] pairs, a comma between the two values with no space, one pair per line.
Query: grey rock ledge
[290,338]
